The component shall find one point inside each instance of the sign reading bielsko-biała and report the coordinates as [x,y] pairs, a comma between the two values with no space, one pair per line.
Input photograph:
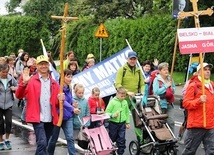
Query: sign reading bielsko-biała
[196,40]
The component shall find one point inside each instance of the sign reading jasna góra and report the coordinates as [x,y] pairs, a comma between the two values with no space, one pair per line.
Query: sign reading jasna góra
[196,40]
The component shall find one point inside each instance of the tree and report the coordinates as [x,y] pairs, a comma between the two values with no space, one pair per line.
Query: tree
[11,5]
[102,10]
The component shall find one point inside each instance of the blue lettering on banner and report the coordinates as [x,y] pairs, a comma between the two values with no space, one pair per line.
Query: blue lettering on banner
[102,75]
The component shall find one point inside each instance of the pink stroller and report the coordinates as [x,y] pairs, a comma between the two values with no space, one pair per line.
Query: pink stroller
[97,139]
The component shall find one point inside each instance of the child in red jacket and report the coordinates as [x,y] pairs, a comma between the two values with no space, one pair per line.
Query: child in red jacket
[96,104]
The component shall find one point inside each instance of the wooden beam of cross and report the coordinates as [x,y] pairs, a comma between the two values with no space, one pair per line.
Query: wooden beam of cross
[195,13]
[64,19]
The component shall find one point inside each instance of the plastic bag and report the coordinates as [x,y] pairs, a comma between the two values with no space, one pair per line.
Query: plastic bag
[169,95]
[82,139]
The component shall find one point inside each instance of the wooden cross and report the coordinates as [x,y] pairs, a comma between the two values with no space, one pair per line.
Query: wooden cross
[195,13]
[64,19]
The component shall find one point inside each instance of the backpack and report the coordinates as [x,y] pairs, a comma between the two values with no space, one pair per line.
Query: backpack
[17,59]
[196,87]
[151,79]
[12,92]
[168,95]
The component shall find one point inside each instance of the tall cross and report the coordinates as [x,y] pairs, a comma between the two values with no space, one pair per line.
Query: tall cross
[64,19]
[196,13]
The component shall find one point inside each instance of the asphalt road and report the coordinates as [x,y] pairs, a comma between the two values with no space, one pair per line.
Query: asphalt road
[130,135]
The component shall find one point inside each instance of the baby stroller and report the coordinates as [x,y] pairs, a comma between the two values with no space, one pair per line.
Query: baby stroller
[157,135]
[96,140]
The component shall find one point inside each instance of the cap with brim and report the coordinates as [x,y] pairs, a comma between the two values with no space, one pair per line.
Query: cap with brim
[204,65]
[41,58]
[132,54]
[89,56]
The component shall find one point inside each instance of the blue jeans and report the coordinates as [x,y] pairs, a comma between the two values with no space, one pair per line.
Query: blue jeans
[43,133]
[67,126]
[23,115]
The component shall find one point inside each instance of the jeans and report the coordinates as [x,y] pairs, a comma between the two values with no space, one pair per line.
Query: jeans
[23,115]
[193,139]
[117,133]
[43,132]
[67,126]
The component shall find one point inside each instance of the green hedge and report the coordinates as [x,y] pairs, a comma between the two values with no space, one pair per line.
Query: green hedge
[22,32]
[151,37]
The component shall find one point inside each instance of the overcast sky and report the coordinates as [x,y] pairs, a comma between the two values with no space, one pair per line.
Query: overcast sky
[2,7]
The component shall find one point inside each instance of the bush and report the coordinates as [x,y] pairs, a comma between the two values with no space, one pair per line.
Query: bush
[22,32]
[151,37]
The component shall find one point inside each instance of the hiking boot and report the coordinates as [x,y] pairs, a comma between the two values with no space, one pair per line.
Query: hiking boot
[1,145]
[8,144]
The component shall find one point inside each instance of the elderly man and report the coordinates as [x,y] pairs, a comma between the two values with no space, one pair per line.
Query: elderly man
[194,101]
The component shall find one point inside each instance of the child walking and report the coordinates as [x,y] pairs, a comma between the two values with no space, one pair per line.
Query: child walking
[7,86]
[119,119]
[82,106]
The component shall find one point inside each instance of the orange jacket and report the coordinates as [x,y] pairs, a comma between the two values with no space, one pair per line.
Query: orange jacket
[194,105]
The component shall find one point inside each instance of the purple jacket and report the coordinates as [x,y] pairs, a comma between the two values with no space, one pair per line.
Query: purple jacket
[67,106]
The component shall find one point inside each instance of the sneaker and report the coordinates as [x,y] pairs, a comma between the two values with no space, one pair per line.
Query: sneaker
[8,144]
[1,146]
[181,142]
[202,145]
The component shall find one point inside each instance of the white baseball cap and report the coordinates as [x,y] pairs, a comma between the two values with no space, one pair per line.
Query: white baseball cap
[204,65]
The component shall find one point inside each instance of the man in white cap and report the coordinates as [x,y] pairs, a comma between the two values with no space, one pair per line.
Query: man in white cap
[41,93]
[130,77]
[194,101]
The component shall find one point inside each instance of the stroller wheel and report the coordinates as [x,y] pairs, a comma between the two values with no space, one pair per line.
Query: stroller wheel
[154,151]
[134,148]
[172,151]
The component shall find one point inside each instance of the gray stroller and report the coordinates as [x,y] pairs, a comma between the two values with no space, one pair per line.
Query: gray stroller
[158,137]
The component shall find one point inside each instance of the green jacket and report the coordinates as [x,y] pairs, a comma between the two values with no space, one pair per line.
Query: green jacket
[116,105]
[131,81]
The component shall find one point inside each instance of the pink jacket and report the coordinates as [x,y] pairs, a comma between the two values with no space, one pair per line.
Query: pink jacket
[32,94]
